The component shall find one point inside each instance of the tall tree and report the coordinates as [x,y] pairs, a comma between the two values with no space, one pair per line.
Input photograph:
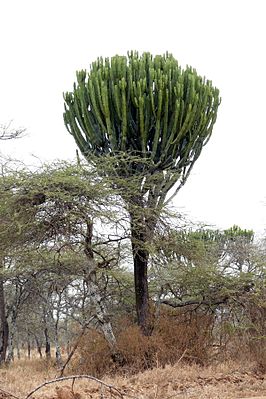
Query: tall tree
[152,119]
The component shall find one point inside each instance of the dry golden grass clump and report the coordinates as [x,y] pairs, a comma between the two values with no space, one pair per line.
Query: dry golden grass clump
[185,337]
[22,375]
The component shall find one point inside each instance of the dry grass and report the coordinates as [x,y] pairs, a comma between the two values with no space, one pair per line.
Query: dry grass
[187,336]
[225,381]
[20,377]
[177,361]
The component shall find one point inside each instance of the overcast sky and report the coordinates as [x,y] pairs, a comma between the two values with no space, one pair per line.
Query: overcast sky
[43,43]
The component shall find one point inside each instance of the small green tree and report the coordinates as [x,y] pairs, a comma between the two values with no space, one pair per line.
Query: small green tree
[151,118]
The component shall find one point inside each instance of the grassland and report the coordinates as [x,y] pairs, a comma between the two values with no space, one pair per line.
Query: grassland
[224,381]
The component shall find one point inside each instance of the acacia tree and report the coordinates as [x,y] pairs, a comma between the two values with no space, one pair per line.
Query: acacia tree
[48,220]
[205,268]
[152,119]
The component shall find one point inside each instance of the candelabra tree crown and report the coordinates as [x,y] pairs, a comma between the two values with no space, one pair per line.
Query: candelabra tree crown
[142,106]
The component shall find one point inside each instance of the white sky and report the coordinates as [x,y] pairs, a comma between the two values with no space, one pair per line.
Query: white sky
[44,42]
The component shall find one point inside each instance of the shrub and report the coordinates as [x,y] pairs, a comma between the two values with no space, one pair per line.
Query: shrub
[176,335]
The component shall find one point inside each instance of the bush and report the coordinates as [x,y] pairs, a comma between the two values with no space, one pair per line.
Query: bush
[176,335]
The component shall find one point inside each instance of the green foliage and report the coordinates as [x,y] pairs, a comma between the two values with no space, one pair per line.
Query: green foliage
[236,232]
[48,210]
[147,107]
[206,267]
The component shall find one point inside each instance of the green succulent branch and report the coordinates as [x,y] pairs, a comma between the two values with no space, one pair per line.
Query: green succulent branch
[146,106]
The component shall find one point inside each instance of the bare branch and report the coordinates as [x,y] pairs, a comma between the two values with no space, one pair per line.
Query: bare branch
[7,133]
[75,346]
[112,389]
[210,302]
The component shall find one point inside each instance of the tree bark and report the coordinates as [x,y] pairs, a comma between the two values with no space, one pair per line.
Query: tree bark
[18,349]
[28,346]
[142,227]
[140,258]
[12,331]
[38,346]
[10,356]
[47,344]
[104,323]
[4,324]
[58,355]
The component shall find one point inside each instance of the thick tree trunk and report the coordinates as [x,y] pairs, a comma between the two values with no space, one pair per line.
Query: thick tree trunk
[4,330]
[144,210]
[139,234]
[140,258]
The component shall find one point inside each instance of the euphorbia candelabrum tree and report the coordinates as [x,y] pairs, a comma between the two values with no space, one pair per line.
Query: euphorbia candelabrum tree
[153,118]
